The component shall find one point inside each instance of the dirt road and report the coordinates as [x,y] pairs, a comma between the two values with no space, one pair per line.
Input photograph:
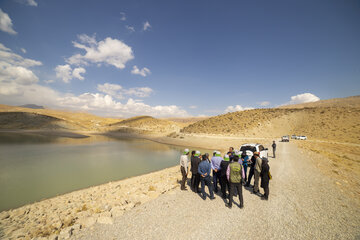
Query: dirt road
[303,204]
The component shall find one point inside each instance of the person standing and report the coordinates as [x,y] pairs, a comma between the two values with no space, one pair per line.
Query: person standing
[204,172]
[224,182]
[191,170]
[184,167]
[252,169]
[257,171]
[194,172]
[265,177]
[231,153]
[235,174]
[215,165]
[274,148]
[245,158]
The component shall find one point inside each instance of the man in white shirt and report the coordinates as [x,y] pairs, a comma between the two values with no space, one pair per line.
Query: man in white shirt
[184,163]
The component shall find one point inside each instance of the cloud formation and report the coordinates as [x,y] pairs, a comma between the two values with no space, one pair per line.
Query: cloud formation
[110,51]
[65,73]
[146,26]
[303,98]
[130,28]
[117,91]
[123,16]
[6,23]
[236,108]
[264,103]
[143,72]
[15,68]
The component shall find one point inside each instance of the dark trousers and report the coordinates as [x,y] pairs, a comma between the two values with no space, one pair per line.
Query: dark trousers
[195,180]
[224,183]
[216,178]
[251,174]
[233,188]
[274,149]
[206,181]
[184,177]
[266,192]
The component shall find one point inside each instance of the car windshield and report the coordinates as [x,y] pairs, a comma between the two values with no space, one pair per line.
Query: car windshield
[248,148]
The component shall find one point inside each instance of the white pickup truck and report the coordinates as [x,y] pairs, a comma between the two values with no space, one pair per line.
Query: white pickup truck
[250,148]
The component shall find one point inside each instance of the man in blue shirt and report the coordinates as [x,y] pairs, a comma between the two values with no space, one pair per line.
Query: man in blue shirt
[215,165]
[204,171]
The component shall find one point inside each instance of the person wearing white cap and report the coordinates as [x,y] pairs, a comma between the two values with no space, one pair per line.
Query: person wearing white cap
[194,172]
[215,165]
[184,167]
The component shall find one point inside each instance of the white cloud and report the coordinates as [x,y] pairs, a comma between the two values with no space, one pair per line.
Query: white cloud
[143,72]
[192,107]
[303,98]
[123,16]
[6,23]
[139,92]
[130,28]
[49,81]
[119,92]
[146,26]
[23,50]
[110,51]
[32,3]
[236,108]
[65,73]
[77,71]
[264,103]
[14,68]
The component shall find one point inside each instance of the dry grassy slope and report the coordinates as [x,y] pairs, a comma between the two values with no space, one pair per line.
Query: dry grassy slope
[351,102]
[336,124]
[66,119]
[146,125]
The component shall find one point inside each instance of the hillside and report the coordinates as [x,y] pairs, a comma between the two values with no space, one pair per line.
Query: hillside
[146,125]
[338,123]
[27,118]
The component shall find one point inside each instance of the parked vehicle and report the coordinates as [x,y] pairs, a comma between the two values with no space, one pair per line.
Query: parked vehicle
[301,137]
[285,138]
[250,148]
[293,136]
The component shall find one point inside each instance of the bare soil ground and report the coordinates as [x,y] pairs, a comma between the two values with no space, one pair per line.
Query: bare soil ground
[303,204]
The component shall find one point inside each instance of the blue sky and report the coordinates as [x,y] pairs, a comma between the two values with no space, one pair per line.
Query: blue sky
[177,58]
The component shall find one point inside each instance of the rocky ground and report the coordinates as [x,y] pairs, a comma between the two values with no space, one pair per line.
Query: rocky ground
[303,204]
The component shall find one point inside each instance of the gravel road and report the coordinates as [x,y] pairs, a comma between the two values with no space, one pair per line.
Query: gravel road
[303,204]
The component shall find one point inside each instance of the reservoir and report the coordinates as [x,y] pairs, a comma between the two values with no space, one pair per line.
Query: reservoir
[35,167]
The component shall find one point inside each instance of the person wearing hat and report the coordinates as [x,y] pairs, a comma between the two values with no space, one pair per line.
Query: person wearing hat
[204,172]
[215,165]
[257,171]
[184,163]
[195,176]
[223,179]
[235,174]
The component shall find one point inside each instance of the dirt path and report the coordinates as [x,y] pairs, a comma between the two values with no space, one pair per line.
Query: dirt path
[303,204]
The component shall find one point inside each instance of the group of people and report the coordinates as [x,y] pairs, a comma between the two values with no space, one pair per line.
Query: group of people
[230,172]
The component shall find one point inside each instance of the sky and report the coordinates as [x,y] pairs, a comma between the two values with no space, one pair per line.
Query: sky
[177,58]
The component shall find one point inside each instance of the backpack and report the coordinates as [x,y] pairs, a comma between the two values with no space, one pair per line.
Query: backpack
[235,172]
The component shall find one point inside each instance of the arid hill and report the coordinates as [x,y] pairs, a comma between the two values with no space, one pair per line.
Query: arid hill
[27,118]
[146,125]
[338,124]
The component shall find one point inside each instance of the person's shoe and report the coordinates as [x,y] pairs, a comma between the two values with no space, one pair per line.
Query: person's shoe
[241,206]
[264,198]
[212,198]
[247,185]
[203,198]
[228,205]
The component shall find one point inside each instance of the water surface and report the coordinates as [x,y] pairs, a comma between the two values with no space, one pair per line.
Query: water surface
[34,167]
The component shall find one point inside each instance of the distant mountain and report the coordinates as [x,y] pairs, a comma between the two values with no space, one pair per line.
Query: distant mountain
[33,106]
